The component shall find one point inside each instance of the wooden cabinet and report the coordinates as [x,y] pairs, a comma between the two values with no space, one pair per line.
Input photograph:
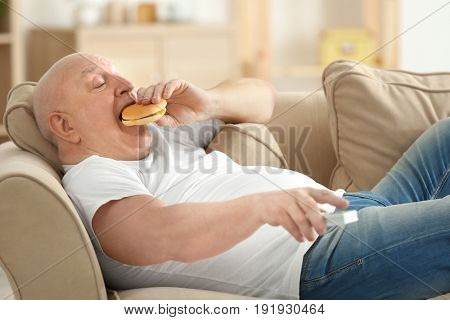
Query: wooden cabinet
[204,55]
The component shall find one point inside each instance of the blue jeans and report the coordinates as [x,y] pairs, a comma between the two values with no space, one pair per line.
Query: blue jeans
[400,247]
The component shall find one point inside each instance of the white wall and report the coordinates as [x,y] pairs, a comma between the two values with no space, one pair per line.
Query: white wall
[295,25]
[425,47]
[294,30]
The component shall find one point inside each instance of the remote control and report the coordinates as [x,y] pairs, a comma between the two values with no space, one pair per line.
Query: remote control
[341,218]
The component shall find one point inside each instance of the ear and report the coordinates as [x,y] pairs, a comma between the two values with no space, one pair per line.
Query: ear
[60,125]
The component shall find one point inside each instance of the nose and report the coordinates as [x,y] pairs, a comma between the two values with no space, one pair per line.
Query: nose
[123,86]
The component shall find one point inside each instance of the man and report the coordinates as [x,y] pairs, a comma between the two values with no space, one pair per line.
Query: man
[167,214]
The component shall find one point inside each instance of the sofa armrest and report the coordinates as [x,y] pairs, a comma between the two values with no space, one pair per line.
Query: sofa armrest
[44,248]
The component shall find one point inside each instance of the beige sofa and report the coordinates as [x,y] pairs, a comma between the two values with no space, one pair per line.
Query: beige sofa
[44,248]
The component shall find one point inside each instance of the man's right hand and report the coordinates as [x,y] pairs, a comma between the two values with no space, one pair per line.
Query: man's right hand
[296,210]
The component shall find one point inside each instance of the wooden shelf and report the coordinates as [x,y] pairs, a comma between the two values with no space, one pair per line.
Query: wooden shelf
[158,28]
[202,54]
[5,38]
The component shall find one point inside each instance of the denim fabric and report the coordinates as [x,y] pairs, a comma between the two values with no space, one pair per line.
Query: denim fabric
[362,199]
[400,247]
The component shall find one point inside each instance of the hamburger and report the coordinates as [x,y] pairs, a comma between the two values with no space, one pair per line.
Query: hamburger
[138,114]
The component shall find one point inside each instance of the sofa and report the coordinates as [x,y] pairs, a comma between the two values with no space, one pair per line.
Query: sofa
[45,250]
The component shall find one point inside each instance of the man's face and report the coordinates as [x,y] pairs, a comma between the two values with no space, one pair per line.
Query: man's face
[96,95]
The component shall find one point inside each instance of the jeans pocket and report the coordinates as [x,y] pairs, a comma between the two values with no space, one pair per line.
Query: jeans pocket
[333,274]
[362,199]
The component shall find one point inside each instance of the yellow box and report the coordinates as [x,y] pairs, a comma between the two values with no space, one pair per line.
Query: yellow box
[348,43]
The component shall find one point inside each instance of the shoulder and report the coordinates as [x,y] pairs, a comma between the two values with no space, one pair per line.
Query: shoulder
[96,181]
[95,168]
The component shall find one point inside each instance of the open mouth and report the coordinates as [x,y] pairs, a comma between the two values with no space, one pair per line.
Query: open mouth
[123,108]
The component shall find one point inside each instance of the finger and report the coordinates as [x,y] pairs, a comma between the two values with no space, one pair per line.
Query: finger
[299,216]
[148,93]
[171,86]
[327,196]
[302,195]
[288,223]
[166,121]
[133,94]
[140,94]
[143,95]
[315,217]
[158,92]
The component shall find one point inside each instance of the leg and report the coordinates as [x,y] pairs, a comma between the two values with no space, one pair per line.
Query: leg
[395,252]
[422,173]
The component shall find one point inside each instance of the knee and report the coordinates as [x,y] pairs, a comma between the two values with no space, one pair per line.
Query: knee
[442,130]
[443,125]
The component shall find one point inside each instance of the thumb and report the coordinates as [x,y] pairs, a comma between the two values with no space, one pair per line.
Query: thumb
[166,121]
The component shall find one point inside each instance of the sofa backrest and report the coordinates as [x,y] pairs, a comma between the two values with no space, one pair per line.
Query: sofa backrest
[22,128]
[300,125]
[376,115]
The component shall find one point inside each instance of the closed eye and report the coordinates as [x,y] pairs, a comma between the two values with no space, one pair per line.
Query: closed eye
[98,82]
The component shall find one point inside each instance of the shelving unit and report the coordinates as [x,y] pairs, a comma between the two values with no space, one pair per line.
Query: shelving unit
[11,56]
[5,38]
[255,19]
[202,54]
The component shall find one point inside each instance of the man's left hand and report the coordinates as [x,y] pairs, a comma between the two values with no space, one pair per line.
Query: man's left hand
[186,103]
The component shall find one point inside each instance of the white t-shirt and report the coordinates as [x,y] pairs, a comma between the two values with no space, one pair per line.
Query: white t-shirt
[267,264]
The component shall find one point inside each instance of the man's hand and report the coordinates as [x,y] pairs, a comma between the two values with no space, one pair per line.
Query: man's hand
[296,210]
[186,103]
[242,100]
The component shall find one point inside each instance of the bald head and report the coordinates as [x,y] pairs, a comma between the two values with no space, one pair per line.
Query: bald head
[52,93]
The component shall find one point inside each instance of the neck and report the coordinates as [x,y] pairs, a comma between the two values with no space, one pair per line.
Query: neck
[71,156]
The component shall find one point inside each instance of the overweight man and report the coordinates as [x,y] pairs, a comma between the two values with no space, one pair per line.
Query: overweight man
[162,212]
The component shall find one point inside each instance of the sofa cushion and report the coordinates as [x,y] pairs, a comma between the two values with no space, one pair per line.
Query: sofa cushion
[375,115]
[300,126]
[248,144]
[22,128]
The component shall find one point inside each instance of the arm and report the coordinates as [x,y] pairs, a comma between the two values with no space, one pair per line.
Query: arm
[243,100]
[182,232]
[153,232]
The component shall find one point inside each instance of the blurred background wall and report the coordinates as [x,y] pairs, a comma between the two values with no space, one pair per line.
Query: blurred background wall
[427,46]
[289,33]
[287,42]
